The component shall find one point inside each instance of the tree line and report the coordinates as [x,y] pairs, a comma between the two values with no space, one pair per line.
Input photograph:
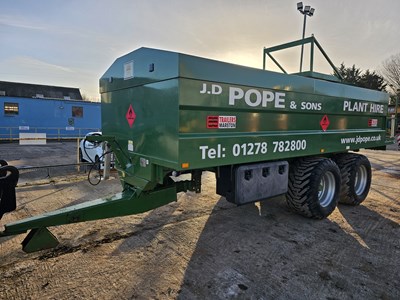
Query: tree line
[388,78]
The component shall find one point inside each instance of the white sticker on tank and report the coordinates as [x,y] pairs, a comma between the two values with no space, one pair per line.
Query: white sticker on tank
[130,146]
[128,70]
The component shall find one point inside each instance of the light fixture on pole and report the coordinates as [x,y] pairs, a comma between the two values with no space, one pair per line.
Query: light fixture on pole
[306,11]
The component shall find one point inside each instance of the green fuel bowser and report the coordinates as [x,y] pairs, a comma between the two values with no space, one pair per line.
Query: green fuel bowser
[262,133]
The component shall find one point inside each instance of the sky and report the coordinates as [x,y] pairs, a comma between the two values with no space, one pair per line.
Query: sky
[72,43]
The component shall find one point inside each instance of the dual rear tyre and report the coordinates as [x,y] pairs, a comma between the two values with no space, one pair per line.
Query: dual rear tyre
[317,184]
[356,178]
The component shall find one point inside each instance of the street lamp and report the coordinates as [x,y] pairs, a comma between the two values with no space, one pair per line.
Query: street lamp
[395,123]
[306,11]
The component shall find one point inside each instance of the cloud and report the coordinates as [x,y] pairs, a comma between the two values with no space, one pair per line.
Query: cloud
[17,22]
[32,70]
[27,62]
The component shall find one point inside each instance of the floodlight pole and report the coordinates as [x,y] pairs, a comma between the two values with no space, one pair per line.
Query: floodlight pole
[307,11]
[302,45]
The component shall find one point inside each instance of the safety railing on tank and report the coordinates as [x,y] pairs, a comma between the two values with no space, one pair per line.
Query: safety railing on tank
[52,133]
[311,73]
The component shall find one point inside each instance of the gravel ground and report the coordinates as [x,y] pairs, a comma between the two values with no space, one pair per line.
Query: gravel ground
[202,247]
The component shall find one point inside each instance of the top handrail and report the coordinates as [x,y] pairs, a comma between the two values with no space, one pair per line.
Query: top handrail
[310,40]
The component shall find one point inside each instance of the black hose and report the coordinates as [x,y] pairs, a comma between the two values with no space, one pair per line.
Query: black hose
[98,162]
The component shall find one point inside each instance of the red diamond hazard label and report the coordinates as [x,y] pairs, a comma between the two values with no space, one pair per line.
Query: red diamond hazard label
[324,123]
[130,116]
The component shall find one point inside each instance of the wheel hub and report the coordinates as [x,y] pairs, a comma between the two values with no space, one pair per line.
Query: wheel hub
[326,190]
[360,181]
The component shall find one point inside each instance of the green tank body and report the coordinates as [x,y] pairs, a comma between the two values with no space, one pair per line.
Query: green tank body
[196,113]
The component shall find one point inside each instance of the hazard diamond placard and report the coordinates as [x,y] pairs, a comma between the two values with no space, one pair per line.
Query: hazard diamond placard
[130,116]
[324,123]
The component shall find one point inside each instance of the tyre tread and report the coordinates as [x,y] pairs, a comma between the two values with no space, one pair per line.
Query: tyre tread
[300,194]
[346,163]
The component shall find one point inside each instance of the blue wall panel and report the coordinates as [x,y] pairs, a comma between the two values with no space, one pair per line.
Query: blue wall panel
[53,117]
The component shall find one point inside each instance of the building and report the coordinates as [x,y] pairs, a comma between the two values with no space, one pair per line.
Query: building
[57,111]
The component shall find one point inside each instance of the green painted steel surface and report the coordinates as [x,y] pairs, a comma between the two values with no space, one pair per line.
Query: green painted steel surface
[127,203]
[39,239]
[258,115]
[313,42]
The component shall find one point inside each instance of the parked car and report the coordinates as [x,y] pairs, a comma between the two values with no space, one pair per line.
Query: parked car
[91,151]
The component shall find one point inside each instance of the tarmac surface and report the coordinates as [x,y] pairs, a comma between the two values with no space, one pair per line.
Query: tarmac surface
[201,247]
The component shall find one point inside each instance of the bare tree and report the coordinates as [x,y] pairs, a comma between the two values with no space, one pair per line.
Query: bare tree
[391,72]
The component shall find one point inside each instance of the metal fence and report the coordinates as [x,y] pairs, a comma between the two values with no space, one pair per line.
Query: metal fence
[52,133]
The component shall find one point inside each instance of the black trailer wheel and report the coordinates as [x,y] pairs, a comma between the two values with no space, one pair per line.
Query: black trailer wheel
[314,187]
[356,176]
[8,181]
